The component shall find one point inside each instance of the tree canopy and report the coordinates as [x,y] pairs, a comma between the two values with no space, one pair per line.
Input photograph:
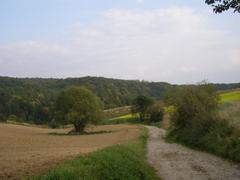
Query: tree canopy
[33,99]
[142,105]
[220,6]
[79,106]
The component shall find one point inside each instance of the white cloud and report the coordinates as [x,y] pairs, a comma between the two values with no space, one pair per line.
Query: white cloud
[140,1]
[176,45]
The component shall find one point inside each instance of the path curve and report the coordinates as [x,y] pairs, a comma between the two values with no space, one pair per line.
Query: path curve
[176,162]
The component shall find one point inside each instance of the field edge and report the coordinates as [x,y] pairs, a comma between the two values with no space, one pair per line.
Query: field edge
[125,161]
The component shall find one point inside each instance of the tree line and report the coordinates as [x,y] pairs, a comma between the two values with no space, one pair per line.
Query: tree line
[34,99]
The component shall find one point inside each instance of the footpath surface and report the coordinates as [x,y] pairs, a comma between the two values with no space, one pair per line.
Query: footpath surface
[176,162]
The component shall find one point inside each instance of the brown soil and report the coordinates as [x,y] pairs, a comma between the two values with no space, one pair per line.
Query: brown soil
[26,151]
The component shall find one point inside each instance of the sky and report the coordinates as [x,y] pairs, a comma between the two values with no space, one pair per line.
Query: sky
[154,40]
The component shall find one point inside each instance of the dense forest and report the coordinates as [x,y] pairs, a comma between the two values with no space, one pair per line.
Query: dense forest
[33,99]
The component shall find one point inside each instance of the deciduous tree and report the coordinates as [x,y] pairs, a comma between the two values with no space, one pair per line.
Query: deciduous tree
[79,106]
[223,5]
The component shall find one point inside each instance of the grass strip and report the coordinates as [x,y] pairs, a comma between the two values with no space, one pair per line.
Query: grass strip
[118,162]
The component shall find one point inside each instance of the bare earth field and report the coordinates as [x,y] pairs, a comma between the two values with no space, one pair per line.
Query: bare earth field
[26,151]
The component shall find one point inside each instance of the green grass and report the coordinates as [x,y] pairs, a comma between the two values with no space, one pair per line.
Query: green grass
[118,162]
[230,96]
[129,118]
[169,109]
[124,117]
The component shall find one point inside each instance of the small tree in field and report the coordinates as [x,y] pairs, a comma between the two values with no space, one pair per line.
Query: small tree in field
[79,106]
[142,105]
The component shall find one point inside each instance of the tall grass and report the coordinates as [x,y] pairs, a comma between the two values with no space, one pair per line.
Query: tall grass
[231,111]
[117,162]
[216,136]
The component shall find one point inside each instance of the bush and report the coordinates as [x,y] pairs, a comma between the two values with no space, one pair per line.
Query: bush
[53,124]
[142,104]
[156,114]
[195,122]
[2,118]
[14,118]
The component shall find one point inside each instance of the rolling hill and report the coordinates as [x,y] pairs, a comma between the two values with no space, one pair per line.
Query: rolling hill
[32,99]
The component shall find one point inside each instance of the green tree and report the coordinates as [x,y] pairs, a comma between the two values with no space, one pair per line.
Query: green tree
[223,5]
[195,112]
[156,114]
[4,99]
[22,107]
[79,106]
[142,104]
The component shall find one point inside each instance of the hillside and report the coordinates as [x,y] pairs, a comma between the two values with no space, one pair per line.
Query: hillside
[32,99]
[113,92]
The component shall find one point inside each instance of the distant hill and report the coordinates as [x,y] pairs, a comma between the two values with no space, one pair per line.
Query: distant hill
[32,99]
[113,92]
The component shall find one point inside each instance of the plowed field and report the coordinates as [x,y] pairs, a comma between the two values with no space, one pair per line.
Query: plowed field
[28,151]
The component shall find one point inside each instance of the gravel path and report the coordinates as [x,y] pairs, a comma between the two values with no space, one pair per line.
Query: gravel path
[176,162]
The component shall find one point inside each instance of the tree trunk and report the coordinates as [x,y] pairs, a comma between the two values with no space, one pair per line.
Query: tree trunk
[79,127]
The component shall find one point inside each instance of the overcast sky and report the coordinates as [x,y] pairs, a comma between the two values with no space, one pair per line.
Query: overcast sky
[155,40]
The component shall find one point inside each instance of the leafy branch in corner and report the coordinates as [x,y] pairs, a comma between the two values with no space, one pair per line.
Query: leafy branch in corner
[220,6]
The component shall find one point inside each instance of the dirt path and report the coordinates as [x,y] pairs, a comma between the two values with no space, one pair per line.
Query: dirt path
[176,162]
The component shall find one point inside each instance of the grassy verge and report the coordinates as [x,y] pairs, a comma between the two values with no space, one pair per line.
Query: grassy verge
[222,139]
[118,162]
[201,122]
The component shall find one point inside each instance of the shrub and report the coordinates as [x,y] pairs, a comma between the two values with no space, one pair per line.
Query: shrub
[2,118]
[14,118]
[156,114]
[53,124]
[142,105]
[195,122]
